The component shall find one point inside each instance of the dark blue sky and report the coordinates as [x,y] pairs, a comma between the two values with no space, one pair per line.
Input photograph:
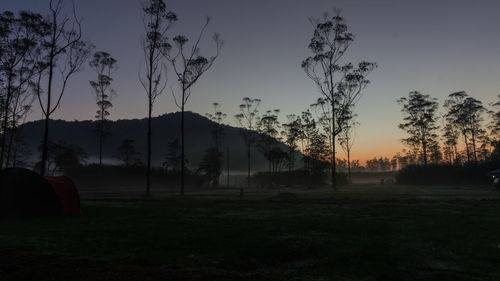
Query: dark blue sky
[436,47]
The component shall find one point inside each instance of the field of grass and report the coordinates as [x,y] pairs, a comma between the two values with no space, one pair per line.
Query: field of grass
[363,232]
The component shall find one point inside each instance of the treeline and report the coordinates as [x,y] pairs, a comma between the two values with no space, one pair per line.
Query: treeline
[40,54]
[469,134]
[32,45]
[466,139]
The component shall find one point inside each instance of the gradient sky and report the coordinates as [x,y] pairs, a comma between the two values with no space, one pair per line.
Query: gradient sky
[436,47]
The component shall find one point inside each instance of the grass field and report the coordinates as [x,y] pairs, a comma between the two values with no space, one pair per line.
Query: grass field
[363,232]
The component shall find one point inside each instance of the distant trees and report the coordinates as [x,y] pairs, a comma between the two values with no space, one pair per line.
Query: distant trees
[173,157]
[61,45]
[157,21]
[339,83]
[63,157]
[103,65]
[292,134]
[268,128]
[126,152]
[212,161]
[465,113]
[495,120]
[466,136]
[347,137]
[211,165]
[188,65]
[420,122]
[248,118]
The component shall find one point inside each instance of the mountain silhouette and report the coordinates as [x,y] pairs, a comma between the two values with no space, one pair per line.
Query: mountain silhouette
[165,128]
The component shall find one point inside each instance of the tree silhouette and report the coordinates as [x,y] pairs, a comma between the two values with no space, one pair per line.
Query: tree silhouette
[450,140]
[292,134]
[217,129]
[339,83]
[465,113]
[210,166]
[103,64]
[495,120]
[126,151]
[347,138]
[188,66]
[19,45]
[218,134]
[62,44]
[268,128]
[173,158]
[248,119]
[157,20]
[420,118]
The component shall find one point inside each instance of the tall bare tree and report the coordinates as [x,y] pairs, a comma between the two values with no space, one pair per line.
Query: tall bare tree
[103,65]
[248,119]
[420,122]
[63,52]
[188,66]
[339,83]
[157,20]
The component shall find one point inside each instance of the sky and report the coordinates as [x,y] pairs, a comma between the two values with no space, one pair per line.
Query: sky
[433,46]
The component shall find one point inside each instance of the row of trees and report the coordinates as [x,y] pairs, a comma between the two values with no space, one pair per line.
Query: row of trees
[461,134]
[35,49]
[38,53]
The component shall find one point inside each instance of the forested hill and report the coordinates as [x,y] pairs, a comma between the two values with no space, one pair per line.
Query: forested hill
[165,128]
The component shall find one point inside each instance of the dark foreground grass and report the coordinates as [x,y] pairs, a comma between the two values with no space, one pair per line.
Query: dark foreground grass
[268,239]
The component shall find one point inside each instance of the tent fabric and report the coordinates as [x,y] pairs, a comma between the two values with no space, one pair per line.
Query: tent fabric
[66,191]
[25,193]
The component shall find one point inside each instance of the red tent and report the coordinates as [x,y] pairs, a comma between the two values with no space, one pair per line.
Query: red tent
[25,193]
[66,192]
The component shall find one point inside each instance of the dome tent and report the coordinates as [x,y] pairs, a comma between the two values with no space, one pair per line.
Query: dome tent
[25,193]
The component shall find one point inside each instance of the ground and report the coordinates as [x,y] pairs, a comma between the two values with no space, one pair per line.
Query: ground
[361,232]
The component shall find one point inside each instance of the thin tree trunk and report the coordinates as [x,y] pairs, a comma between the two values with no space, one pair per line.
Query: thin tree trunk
[148,172]
[100,145]
[183,170]
[349,164]
[467,148]
[424,148]
[5,120]
[334,179]
[248,170]
[45,144]
[11,143]
[227,165]
[474,147]
[101,133]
